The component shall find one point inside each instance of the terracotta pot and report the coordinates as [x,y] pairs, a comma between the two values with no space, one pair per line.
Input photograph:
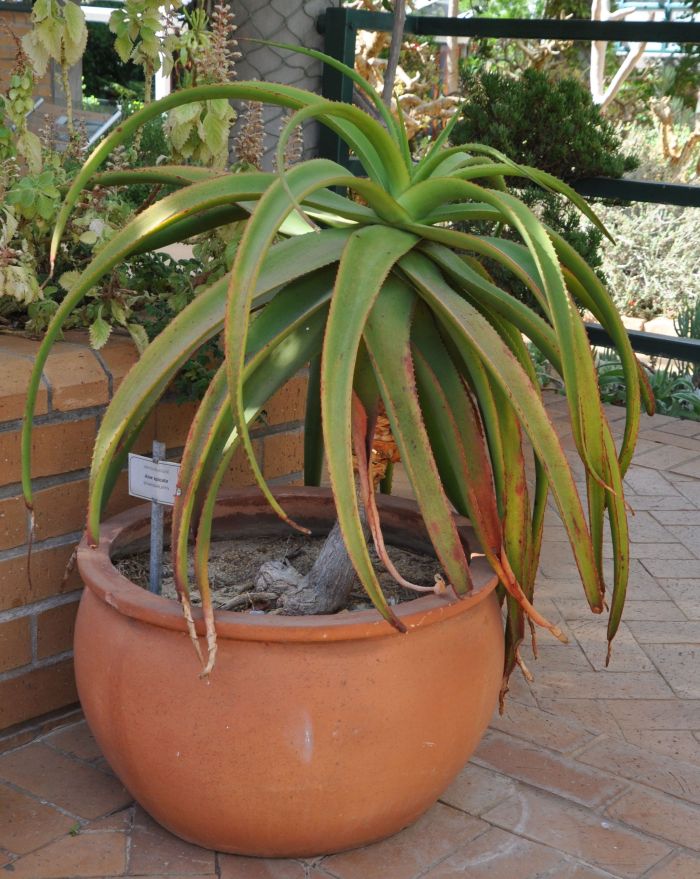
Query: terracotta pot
[313,734]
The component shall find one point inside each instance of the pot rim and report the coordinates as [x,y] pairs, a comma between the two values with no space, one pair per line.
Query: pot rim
[103,579]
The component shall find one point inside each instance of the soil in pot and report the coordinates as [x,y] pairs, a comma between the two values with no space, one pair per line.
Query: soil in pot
[234,566]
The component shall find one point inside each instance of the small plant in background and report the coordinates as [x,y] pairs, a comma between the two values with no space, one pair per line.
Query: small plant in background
[137,27]
[144,294]
[536,119]
[59,33]
[674,386]
[687,322]
[203,52]
[15,106]
[552,125]
[652,266]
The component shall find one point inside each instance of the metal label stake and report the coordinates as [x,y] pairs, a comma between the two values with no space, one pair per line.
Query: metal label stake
[155,574]
[154,480]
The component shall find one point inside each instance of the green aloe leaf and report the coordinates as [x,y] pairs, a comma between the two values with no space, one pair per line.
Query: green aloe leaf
[366,262]
[260,232]
[199,321]
[387,336]
[475,336]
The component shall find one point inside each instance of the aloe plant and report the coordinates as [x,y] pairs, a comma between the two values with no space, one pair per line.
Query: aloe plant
[387,303]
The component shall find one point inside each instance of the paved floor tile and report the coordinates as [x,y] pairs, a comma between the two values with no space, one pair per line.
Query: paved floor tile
[543,769]
[685,595]
[653,632]
[679,867]
[681,568]
[680,744]
[431,839]
[76,740]
[76,787]
[592,714]
[476,790]
[81,856]
[553,683]
[233,867]
[645,527]
[676,662]
[654,770]
[688,534]
[656,714]
[659,814]
[677,517]
[155,849]
[541,727]
[574,830]
[643,481]
[497,854]
[626,654]
[25,823]
[688,468]
[665,457]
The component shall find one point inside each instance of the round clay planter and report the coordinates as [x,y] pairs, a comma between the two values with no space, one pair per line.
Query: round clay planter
[312,734]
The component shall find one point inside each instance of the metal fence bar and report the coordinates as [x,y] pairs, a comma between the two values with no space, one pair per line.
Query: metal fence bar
[521,28]
[340,44]
[650,343]
[639,190]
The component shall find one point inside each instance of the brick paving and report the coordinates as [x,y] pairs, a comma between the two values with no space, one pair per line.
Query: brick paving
[591,772]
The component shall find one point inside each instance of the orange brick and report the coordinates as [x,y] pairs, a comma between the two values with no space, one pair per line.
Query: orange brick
[284,453]
[119,355]
[171,422]
[61,509]
[57,448]
[239,473]
[47,569]
[76,378]
[15,644]
[14,378]
[289,403]
[55,630]
[13,522]
[37,692]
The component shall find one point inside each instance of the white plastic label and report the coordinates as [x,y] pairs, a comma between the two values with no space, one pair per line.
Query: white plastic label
[153,481]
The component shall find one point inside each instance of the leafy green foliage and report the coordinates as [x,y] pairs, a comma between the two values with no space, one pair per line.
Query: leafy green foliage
[59,33]
[104,74]
[552,125]
[535,119]
[675,388]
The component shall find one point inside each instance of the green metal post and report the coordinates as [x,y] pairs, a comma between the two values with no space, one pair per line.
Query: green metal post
[339,33]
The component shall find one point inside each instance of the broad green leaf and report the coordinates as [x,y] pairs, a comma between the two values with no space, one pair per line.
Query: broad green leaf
[387,336]
[475,336]
[368,258]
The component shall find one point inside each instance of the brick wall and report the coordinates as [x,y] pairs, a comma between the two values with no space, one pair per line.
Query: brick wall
[36,618]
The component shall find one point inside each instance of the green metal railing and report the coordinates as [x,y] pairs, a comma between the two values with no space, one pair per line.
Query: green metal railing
[340,26]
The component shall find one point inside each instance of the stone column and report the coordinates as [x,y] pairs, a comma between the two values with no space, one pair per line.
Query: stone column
[285,21]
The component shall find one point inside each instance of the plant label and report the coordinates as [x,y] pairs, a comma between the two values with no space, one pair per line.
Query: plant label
[153,480]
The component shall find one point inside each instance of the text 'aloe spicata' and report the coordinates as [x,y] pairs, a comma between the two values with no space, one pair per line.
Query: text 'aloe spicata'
[393,308]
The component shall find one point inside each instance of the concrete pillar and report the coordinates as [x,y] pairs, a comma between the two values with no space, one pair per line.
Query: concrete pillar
[286,21]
